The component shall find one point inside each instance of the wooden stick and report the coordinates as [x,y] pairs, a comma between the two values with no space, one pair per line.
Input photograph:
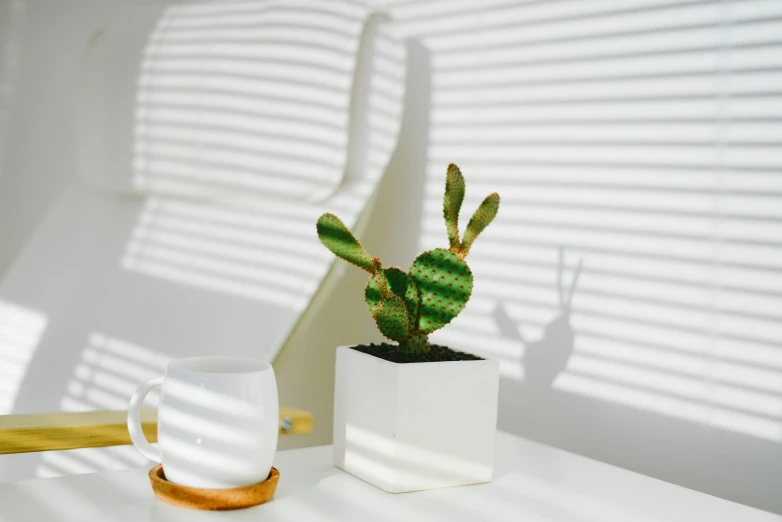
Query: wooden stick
[93,429]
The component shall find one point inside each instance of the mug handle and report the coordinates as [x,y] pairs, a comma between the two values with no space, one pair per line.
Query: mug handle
[134,420]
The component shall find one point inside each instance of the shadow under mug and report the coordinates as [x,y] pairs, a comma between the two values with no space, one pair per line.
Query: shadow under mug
[218,421]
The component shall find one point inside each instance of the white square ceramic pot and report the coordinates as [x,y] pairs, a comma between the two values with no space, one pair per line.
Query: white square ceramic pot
[408,427]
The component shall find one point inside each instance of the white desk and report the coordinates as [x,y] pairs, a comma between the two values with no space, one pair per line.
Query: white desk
[533,483]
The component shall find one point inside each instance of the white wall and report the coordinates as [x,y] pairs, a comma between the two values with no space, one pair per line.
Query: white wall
[43,44]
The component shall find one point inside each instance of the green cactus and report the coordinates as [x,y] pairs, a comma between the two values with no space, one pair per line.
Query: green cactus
[408,306]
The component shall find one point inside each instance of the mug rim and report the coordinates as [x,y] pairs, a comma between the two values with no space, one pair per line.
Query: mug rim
[221,365]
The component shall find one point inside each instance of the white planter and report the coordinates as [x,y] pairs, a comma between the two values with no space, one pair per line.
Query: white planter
[408,427]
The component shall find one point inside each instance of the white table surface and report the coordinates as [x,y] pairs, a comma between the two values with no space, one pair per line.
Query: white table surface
[532,483]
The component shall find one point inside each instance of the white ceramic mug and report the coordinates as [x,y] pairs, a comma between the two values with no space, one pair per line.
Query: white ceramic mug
[218,421]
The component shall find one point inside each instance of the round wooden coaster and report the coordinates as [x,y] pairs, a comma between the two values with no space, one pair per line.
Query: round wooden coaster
[212,499]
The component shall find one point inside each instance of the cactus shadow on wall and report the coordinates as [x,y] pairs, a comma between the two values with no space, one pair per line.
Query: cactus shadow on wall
[545,358]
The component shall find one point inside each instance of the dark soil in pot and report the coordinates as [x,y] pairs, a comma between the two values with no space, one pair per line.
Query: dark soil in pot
[391,352]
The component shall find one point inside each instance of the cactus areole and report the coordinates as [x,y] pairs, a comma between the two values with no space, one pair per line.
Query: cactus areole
[408,306]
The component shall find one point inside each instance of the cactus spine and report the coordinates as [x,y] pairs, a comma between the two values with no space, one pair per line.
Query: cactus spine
[408,306]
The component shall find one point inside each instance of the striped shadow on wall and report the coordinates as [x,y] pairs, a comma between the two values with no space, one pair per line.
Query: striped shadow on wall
[644,137]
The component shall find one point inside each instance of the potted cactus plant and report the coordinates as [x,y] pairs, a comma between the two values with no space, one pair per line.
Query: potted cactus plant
[411,415]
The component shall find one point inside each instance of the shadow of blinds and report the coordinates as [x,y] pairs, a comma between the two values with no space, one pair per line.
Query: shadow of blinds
[244,116]
[644,137]
[108,372]
[246,97]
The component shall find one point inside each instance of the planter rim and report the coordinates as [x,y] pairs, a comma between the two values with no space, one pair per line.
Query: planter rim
[351,346]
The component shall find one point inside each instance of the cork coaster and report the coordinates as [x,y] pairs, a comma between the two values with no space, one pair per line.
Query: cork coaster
[212,499]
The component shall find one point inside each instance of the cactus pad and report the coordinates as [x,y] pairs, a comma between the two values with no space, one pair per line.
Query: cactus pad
[480,220]
[400,284]
[452,203]
[391,318]
[408,306]
[444,284]
[337,238]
